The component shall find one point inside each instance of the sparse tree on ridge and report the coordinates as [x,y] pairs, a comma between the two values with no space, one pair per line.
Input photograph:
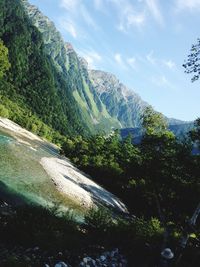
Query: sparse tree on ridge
[192,64]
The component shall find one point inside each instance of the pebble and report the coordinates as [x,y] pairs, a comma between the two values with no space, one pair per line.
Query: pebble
[107,259]
[41,258]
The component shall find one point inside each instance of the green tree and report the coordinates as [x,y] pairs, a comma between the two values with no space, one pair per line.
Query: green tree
[153,122]
[4,111]
[195,133]
[192,64]
[158,149]
[4,62]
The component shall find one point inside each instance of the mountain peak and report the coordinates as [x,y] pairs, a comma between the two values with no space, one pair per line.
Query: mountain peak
[98,93]
[69,48]
[83,63]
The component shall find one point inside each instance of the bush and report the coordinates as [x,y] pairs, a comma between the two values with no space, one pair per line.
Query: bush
[147,230]
[4,111]
[98,219]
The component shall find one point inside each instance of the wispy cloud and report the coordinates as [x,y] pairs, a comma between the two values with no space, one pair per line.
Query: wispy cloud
[155,11]
[92,57]
[150,58]
[159,62]
[68,26]
[88,18]
[169,63]
[132,62]
[70,4]
[77,11]
[161,81]
[118,58]
[98,4]
[129,17]
[120,61]
[188,4]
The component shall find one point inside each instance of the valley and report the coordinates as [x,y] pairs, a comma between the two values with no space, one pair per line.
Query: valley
[90,173]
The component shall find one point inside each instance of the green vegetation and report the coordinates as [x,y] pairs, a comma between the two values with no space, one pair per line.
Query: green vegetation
[195,133]
[4,62]
[192,64]
[158,178]
[52,231]
[22,115]
[32,82]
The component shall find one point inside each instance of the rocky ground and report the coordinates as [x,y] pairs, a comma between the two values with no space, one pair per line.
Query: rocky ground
[66,177]
[35,257]
[77,185]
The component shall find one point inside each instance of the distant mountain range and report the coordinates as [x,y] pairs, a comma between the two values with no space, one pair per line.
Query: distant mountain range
[77,100]
[179,130]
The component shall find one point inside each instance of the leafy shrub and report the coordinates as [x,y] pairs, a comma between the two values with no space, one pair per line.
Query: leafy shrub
[98,219]
[147,230]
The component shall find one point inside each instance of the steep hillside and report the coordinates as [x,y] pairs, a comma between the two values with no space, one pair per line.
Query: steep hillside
[120,101]
[61,95]
[75,72]
[104,101]
[33,91]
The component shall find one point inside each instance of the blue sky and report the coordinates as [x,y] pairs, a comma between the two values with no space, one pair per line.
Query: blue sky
[143,42]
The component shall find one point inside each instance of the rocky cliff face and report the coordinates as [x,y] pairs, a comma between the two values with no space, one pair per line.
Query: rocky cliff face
[105,103]
[120,101]
[53,41]
[75,71]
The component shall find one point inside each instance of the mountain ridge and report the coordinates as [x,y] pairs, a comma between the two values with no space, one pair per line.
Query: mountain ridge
[105,102]
[62,94]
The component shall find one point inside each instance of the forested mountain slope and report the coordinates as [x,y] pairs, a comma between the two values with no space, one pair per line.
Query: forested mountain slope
[49,88]
[34,91]
[105,102]
[75,72]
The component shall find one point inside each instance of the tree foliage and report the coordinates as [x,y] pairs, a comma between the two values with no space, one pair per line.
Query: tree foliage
[192,64]
[4,62]
[153,122]
[150,177]
[33,82]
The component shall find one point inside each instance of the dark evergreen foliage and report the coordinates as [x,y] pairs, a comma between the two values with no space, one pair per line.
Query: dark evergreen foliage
[192,64]
[33,82]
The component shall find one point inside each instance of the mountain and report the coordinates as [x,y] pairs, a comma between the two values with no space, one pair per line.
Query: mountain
[35,94]
[180,130]
[105,103]
[121,102]
[62,95]
[75,71]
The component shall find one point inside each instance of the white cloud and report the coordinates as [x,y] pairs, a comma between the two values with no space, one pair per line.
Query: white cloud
[118,58]
[69,26]
[92,58]
[132,62]
[169,63]
[77,11]
[87,17]
[155,10]
[70,4]
[160,81]
[120,61]
[98,4]
[135,19]
[129,17]
[188,4]
[150,57]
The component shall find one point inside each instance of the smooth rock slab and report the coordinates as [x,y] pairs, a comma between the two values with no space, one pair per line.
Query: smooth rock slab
[61,264]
